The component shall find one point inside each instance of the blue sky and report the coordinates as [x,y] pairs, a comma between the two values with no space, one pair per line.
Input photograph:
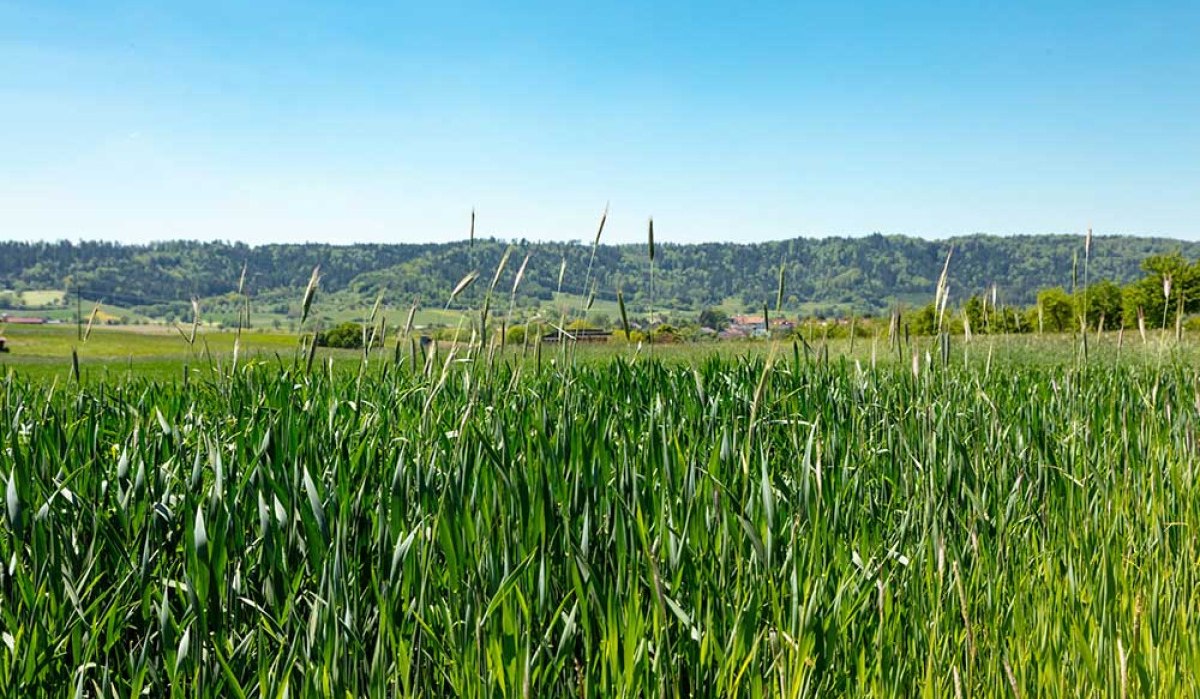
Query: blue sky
[388,122]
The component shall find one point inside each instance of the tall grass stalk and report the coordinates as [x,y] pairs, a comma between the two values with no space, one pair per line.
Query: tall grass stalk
[650,295]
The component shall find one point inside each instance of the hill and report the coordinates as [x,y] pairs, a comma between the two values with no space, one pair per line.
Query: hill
[829,276]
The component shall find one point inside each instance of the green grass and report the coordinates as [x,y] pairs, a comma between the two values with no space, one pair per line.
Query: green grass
[55,342]
[729,521]
[41,297]
[45,350]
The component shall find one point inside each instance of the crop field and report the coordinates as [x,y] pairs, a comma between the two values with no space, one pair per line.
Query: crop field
[763,524]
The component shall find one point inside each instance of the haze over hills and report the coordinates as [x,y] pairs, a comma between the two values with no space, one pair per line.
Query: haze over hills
[829,276]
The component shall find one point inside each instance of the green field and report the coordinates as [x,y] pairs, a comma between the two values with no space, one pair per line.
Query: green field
[733,520]
[147,351]
[42,297]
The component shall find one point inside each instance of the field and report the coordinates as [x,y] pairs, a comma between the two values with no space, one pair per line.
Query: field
[670,522]
[44,351]
[42,297]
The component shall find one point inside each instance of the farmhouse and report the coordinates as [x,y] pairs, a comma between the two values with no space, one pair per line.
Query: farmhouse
[756,326]
[748,322]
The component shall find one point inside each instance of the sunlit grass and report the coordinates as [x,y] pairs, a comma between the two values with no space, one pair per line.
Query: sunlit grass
[608,525]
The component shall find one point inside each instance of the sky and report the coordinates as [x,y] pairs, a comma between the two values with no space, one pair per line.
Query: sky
[389,122]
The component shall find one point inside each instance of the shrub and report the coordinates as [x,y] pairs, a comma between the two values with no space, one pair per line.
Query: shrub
[515,335]
[344,336]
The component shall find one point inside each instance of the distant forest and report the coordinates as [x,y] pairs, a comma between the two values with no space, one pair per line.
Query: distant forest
[828,277]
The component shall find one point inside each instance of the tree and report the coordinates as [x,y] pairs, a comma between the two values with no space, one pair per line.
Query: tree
[665,333]
[924,321]
[515,335]
[973,309]
[837,276]
[1148,293]
[345,336]
[714,318]
[1009,319]
[1102,300]
[1058,309]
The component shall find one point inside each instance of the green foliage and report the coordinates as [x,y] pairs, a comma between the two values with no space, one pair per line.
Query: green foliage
[666,332]
[344,336]
[924,321]
[1148,294]
[1057,310]
[1103,299]
[626,527]
[457,333]
[974,309]
[515,335]
[832,277]
[714,318]
[634,336]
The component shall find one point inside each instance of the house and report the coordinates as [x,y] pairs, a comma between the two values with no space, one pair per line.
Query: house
[756,326]
[581,335]
[748,322]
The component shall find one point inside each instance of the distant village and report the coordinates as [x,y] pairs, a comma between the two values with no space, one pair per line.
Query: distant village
[737,327]
[741,327]
[716,327]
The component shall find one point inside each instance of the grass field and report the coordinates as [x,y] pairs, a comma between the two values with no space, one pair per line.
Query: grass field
[42,297]
[149,351]
[677,521]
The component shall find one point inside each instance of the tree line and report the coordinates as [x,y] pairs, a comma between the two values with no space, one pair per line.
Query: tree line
[828,277]
[1167,291]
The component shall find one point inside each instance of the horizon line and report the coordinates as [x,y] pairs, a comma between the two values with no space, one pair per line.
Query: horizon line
[583,241]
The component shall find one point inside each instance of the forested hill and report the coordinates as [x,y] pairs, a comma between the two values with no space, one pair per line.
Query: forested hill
[830,275]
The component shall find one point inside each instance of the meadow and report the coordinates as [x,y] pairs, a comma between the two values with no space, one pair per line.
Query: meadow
[753,521]
[45,351]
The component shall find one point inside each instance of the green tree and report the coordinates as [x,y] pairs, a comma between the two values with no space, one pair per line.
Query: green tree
[924,321]
[345,336]
[714,318]
[665,333]
[1148,293]
[1058,309]
[1102,300]
[515,335]
[973,309]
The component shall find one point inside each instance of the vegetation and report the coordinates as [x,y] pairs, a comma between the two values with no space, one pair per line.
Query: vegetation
[344,336]
[1167,291]
[485,518]
[620,527]
[827,277]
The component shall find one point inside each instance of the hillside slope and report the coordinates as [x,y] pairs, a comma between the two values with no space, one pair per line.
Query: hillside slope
[829,275]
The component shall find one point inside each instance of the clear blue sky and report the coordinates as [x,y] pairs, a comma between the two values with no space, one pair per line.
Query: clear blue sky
[363,121]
